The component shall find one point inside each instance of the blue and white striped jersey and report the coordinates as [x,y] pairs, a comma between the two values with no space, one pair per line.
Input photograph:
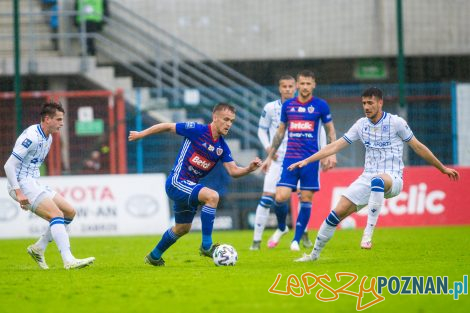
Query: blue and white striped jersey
[383,142]
[303,122]
[31,149]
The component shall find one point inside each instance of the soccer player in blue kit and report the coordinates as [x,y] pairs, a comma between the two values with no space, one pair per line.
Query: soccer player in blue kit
[203,146]
[303,117]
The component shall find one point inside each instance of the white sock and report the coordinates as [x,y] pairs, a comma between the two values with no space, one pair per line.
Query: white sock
[61,238]
[324,235]
[261,218]
[44,240]
[376,200]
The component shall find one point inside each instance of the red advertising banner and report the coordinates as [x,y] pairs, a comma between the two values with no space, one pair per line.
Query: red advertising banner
[428,198]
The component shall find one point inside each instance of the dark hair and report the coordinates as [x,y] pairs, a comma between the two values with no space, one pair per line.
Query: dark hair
[223,106]
[306,73]
[286,77]
[372,92]
[50,109]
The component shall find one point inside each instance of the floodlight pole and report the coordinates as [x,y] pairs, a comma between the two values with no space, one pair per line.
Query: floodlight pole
[16,30]
[400,56]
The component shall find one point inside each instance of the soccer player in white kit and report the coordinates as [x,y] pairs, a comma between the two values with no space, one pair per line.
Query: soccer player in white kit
[22,171]
[383,135]
[268,125]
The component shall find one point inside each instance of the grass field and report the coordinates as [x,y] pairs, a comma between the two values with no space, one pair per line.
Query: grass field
[119,281]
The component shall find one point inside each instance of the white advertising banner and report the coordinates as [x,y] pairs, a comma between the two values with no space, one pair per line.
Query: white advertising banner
[106,205]
[463,120]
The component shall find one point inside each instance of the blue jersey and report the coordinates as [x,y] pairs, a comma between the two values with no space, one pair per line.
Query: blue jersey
[303,121]
[199,152]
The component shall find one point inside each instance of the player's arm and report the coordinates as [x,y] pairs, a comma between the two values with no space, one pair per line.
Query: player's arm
[236,171]
[10,171]
[328,150]
[330,161]
[429,157]
[264,138]
[155,129]
[277,140]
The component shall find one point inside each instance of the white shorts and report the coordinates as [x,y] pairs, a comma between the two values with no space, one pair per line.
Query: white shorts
[272,177]
[34,191]
[359,191]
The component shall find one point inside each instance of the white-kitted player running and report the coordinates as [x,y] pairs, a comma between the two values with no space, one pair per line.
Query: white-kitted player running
[22,171]
[383,135]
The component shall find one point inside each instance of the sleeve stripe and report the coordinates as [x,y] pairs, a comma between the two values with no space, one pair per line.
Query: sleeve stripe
[17,156]
[347,139]
[263,127]
[409,138]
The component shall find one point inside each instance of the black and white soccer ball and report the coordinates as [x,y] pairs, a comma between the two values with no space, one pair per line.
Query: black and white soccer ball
[225,255]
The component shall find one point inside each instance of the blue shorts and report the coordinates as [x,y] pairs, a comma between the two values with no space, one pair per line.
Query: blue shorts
[185,195]
[309,176]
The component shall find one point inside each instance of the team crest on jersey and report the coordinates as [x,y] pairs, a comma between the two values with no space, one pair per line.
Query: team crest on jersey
[310,109]
[219,151]
[189,125]
[26,143]
[211,148]
[301,109]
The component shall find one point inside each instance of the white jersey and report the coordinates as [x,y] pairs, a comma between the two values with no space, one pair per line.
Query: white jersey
[269,120]
[31,149]
[383,142]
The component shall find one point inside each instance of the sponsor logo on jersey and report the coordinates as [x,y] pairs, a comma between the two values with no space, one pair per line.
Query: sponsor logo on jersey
[300,126]
[301,109]
[386,128]
[219,151]
[201,162]
[211,148]
[292,110]
[26,143]
[310,109]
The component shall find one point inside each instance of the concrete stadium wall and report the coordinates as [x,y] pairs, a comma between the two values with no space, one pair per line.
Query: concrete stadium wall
[273,29]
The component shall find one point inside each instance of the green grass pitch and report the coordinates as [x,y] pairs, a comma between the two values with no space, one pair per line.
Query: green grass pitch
[119,281]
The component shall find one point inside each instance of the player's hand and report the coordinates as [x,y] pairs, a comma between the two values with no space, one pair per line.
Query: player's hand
[328,163]
[297,165]
[255,164]
[453,174]
[134,135]
[21,198]
[266,165]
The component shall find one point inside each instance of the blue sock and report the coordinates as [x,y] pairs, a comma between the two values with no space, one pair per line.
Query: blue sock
[207,221]
[169,238]
[302,220]
[281,213]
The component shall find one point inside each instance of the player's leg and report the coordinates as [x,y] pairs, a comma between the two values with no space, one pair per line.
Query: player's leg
[344,208]
[38,249]
[261,218]
[265,203]
[48,210]
[378,185]
[210,198]
[309,184]
[185,197]
[303,218]
[281,209]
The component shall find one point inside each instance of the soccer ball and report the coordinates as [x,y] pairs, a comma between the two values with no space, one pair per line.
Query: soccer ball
[225,255]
